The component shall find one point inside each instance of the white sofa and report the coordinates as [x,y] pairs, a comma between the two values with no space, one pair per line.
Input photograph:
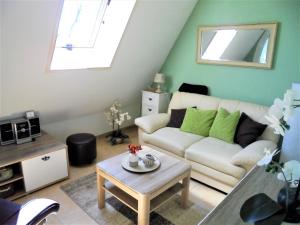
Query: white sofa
[214,162]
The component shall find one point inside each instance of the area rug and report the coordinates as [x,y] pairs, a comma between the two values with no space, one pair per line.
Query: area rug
[84,193]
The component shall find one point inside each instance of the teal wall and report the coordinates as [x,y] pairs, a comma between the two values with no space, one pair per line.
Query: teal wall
[248,84]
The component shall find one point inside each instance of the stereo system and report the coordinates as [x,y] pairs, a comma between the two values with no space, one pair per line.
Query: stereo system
[20,129]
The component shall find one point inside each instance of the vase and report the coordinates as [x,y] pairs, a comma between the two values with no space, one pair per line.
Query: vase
[133,160]
[293,215]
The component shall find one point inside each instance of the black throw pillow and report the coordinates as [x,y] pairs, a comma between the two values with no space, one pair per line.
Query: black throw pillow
[248,130]
[194,88]
[177,116]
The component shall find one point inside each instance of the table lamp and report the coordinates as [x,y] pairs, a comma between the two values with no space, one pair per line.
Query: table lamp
[159,79]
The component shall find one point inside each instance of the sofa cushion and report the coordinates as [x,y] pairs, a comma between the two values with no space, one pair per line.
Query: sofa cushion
[248,131]
[171,139]
[216,154]
[252,153]
[194,88]
[198,121]
[214,174]
[152,122]
[224,125]
[177,116]
[182,100]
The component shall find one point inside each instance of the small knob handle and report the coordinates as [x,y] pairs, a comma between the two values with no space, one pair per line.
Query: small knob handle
[150,99]
[46,158]
[149,110]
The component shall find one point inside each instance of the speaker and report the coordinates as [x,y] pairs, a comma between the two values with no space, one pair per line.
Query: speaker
[35,127]
[22,131]
[6,133]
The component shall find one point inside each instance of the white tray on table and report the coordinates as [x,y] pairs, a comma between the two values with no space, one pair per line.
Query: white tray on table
[141,168]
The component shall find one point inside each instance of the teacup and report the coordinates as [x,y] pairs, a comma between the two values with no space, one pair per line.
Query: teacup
[148,160]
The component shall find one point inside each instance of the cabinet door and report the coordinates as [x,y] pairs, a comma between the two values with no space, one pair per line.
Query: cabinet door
[44,169]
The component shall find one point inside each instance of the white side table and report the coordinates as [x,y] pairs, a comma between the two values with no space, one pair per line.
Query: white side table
[154,102]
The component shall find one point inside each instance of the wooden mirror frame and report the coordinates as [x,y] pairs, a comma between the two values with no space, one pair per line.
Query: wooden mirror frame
[270,51]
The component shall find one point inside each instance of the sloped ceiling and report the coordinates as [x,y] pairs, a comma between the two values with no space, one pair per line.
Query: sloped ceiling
[27,31]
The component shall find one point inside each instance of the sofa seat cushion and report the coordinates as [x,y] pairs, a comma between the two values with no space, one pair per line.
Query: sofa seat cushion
[171,139]
[216,154]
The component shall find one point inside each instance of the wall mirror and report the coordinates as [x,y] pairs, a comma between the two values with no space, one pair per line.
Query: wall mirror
[241,45]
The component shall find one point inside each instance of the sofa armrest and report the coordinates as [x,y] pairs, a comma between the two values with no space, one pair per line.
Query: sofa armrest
[152,122]
[251,154]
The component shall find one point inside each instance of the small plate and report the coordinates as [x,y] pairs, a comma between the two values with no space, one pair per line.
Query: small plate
[141,168]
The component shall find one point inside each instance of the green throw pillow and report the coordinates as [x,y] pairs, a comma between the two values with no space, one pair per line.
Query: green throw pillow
[198,121]
[225,125]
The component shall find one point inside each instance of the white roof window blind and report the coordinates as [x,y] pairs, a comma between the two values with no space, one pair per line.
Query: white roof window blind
[89,33]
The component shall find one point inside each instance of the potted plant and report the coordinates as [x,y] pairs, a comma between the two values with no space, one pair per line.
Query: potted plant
[288,172]
[116,118]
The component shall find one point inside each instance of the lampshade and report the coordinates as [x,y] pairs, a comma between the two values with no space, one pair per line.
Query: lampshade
[291,141]
[159,78]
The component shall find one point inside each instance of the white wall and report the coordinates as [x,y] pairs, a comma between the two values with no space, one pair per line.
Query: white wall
[73,101]
[95,124]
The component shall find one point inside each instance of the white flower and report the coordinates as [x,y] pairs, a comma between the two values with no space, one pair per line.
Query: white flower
[288,102]
[288,99]
[268,157]
[115,115]
[112,108]
[287,113]
[276,124]
[291,171]
[119,122]
[277,108]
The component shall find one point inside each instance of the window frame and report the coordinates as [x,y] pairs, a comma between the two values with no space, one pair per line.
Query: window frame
[54,38]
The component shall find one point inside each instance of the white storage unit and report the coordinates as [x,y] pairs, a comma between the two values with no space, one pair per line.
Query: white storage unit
[154,102]
[45,169]
[35,164]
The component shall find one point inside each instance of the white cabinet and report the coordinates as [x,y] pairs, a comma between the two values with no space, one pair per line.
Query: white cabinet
[45,169]
[35,164]
[154,102]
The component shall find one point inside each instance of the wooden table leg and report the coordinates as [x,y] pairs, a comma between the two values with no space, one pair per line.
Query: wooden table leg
[185,191]
[143,210]
[101,191]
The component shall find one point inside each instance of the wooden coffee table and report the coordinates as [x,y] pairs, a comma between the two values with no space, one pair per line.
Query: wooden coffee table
[143,193]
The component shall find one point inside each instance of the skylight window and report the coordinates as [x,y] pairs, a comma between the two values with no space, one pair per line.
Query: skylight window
[89,33]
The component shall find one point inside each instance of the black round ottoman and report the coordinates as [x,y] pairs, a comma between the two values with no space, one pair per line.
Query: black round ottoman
[81,148]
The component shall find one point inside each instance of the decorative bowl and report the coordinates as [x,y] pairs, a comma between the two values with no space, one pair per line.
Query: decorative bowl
[7,190]
[6,173]
[148,160]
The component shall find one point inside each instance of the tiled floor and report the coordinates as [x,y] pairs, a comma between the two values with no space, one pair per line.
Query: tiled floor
[71,214]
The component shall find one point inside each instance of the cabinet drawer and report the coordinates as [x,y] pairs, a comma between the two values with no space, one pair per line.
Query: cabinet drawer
[150,98]
[44,169]
[148,109]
